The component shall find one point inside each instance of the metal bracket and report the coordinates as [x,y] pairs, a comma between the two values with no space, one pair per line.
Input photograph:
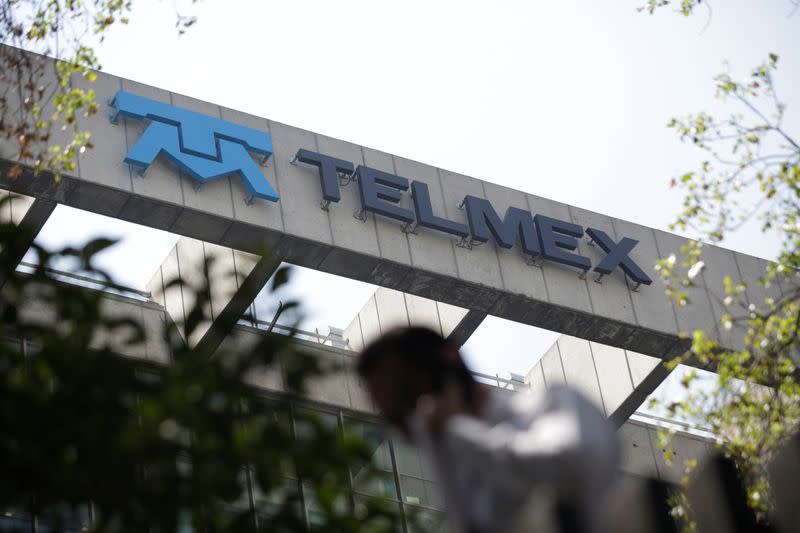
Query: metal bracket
[361,215]
[590,241]
[197,184]
[263,161]
[464,242]
[325,205]
[139,170]
[462,204]
[114,118]
[635,287]
[582,275]
[411,227]
[534,261]
[293,160]
[249,200]
[346,179]
[598,278]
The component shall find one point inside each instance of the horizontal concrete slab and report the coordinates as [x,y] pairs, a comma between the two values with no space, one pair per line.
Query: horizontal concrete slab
[368,247]
[151,316]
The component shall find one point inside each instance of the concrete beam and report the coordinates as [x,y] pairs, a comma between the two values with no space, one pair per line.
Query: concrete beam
[30,215]
[466,327]
[35,309]
[234,310]
[486,278]
[616,380]
[387,309]
[233,279]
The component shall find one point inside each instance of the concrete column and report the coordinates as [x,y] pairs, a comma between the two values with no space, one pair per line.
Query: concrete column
[388,309]
[232,279]
[616,380]
[30,215]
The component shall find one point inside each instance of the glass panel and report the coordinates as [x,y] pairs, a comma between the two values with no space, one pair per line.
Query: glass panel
[31,348]
[380,481]
[408,459]
[278,423]
[307,418]
[267,504]
[242,502]
[185,523]
[434,495]
[12,521]
[12,344]
[424,520]
[428,472]
[316,513]
[413,490]
[64,519]
[381,524]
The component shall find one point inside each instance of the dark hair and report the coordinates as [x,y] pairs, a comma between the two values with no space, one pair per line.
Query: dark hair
[421,348]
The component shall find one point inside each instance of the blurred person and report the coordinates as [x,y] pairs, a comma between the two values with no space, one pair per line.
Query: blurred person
[491,450]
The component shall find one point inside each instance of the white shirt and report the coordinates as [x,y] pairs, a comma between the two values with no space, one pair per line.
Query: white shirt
[489,465]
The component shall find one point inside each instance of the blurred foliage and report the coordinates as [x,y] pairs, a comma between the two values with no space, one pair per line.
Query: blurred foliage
[685,7]
[144,446]
[42,102]
[159,447]
[750,173]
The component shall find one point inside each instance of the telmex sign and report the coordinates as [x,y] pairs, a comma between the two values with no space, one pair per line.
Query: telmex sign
[208,148]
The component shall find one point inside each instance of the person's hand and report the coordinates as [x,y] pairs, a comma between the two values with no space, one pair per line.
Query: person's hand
[436,409]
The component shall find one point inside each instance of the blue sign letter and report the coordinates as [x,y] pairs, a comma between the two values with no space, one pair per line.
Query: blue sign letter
[483,220]
[425,216]
[617,254]
[377,188]
[329,168]
[556,236]
[206,147]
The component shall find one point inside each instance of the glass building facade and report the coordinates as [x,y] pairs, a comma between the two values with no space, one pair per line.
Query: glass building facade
[405,480]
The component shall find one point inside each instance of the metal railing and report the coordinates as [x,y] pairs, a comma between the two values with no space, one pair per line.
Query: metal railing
[512,384]
[672,423]
[334,337]
[89,282]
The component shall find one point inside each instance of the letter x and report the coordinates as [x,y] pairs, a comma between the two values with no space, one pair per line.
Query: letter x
[617,255]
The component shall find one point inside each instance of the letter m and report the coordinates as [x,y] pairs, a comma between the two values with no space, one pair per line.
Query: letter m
[485,222]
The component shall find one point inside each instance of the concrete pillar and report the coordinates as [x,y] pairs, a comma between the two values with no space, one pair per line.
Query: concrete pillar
[30,215]
[616,380]
[233,280]
[388,309]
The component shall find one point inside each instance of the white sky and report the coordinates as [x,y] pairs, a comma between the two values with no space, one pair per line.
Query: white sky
[582,89]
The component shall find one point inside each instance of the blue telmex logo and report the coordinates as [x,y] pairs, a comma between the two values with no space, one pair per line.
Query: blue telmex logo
[204,146]
[209,148]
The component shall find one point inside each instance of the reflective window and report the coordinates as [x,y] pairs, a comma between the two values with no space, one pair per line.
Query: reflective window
[389,462]
[64,519]
[421,520]
[12,521]
[339,506]
[376,478]
[417,479]
[307,419]
[384,522]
